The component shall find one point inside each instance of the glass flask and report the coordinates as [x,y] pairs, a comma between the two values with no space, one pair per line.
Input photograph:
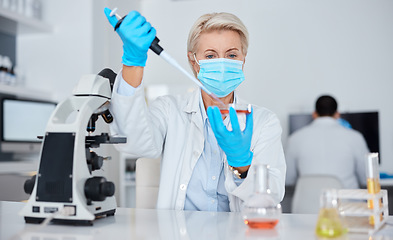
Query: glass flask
[260,210]
[329,224]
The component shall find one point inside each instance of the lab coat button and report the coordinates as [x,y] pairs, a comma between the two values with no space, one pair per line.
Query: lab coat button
[196,154]
[214,178]
[183,187]
[183,231]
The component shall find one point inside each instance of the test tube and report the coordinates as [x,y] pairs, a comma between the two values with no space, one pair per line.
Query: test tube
[373,184]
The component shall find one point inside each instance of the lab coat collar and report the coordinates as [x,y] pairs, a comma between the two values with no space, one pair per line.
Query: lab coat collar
[193,102]
[192,107]
[325,121]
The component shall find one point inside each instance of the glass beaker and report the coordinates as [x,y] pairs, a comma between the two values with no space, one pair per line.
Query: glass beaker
[260,210]
[329,223]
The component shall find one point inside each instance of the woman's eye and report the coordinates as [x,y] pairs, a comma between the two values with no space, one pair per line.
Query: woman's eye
[232,55]
[210,56]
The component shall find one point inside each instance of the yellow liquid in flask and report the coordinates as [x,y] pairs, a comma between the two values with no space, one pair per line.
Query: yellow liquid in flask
[329,223]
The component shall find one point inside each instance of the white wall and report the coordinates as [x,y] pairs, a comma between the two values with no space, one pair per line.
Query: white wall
[298,50]
[106,43]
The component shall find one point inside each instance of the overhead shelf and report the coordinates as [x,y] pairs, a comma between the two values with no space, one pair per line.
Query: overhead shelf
[14,23]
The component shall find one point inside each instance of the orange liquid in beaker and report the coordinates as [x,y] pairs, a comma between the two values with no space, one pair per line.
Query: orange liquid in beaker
[226,111]
[261,223]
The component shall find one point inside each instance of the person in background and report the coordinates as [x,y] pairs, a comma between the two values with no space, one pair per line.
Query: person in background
[204,166]
[327,147]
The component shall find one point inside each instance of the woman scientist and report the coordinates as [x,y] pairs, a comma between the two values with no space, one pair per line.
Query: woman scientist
[204,166]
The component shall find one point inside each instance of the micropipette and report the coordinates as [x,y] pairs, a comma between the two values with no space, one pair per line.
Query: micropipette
[156,48]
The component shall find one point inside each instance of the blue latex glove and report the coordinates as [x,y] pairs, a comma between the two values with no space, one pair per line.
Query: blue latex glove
[236,144]
[344,123]
[137,36]
[384,175]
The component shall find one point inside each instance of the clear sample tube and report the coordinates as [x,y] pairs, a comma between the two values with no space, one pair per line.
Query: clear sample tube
[373,184]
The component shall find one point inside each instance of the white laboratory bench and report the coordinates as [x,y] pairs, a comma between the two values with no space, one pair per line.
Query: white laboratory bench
[131,223]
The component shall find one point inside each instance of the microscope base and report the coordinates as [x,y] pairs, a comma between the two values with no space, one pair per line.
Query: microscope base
[75,222]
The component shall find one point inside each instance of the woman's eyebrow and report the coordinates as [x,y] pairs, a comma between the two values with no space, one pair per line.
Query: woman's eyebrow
[210,50]
[231,49]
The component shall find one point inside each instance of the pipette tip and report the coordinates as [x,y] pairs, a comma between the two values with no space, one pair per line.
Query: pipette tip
[113,12]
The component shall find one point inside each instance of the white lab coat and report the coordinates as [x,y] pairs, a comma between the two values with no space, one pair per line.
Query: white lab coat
[326,147]
[172,127]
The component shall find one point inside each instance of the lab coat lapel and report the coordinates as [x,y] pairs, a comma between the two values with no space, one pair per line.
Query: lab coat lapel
[193,110]
[193,146]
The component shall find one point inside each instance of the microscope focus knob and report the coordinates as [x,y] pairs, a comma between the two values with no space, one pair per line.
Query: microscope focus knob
[29,185]
[97,189]
[108,189]
[95,161]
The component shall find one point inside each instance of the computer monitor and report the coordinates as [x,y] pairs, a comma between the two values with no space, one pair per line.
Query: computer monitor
[21,122]
[367,123]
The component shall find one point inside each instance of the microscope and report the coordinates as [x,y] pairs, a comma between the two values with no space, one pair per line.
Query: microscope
[64,179]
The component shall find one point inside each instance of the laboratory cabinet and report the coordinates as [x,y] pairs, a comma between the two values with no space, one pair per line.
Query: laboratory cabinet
[12,25]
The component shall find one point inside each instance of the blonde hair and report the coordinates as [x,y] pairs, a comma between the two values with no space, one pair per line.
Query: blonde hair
[216,22]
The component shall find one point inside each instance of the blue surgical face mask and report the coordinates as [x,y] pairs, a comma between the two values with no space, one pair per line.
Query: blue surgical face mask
[221,76]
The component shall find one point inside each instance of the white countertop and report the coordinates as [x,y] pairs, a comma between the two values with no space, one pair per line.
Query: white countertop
[129,223]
